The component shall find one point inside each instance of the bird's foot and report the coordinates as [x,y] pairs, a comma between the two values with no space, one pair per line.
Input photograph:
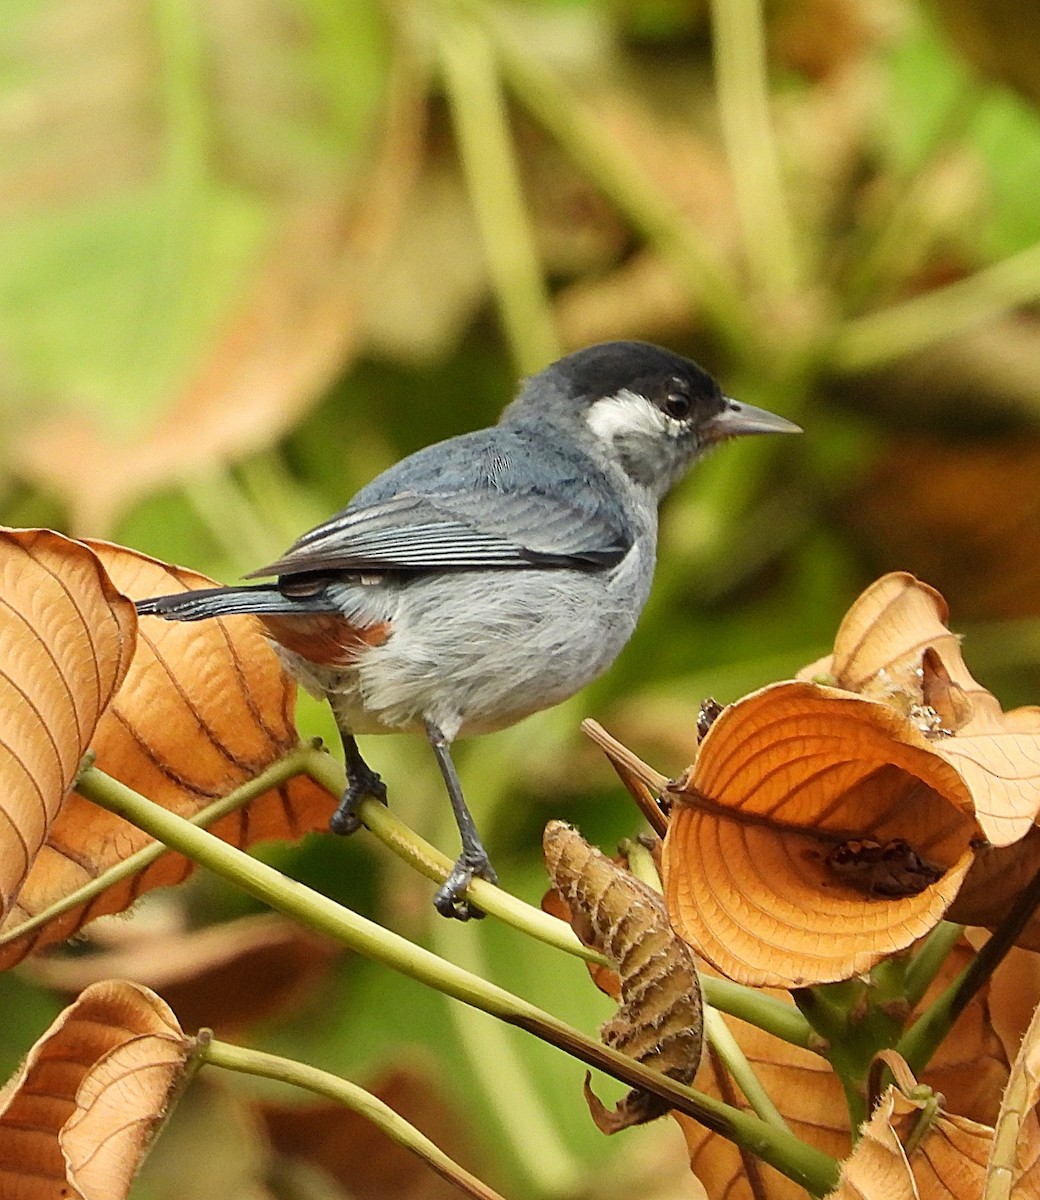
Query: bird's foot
[363,781]
[449,899]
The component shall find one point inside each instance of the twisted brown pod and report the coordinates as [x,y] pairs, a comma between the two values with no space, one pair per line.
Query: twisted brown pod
[659,1022]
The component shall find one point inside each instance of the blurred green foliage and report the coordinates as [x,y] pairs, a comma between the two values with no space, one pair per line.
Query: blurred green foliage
[248,261]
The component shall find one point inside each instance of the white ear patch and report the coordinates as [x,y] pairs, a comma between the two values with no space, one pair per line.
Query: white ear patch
[628,415]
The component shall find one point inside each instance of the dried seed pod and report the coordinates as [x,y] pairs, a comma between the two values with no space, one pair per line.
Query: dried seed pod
[659,1022]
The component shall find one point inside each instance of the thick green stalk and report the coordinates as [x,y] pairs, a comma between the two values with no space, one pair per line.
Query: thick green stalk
[927,962]
[806,1165]
[720,1038]
[429,861]
[769,1014]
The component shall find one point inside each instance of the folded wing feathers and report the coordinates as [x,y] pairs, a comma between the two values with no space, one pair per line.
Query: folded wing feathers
[417,533]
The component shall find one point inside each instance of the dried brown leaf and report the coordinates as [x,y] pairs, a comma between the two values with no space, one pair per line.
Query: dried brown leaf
[77,1118]
[970,1068]
[894,646]
[992,885]
[1013,1170]
[223,977]
[361,1157]
[808,1095]
[66,640]
[911,1150]
[795,788]
[1014,993]
[659,1022]
[203,709]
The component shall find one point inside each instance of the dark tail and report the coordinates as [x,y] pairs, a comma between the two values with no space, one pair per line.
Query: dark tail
[259,599]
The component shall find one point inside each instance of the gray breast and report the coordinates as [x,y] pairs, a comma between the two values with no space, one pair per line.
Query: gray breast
[476,651]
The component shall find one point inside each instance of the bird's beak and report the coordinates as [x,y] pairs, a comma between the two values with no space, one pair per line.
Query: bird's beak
[737,419]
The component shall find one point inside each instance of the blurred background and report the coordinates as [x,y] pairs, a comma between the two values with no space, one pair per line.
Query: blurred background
[254,251]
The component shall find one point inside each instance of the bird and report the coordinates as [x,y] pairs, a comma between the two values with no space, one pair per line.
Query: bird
[491,575]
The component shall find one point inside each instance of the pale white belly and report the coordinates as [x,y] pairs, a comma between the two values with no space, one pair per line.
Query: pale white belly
[476,652]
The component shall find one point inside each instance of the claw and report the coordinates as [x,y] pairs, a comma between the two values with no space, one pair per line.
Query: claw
[363,782]
[450,900]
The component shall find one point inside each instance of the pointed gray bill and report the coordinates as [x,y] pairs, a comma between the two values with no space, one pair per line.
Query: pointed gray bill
[737,419]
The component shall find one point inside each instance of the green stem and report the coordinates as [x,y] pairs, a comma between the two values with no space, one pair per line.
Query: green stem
[322,1083]
[938,316]
[828,1020]
[927,962]
[773,1016]
[815,1171]
[922,1039]
[294,763]
[481,123]
[720,1038]
[742,86]
[495,1052]
[428,861]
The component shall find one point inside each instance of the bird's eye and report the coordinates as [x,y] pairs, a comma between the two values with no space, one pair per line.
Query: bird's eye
[677,406]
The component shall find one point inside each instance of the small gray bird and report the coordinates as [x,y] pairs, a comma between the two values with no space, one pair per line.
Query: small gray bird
[491,575]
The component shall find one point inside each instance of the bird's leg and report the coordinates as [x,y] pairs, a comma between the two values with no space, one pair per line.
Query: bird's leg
[473,861]
[362,781]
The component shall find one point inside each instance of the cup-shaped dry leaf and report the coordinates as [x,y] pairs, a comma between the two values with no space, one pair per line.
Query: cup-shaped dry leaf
[660,1021]
[203,709]
[66,640]
[77,1119]
[894,645]
[816,832]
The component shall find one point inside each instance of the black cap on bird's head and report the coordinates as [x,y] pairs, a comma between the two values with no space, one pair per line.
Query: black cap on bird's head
[652,411]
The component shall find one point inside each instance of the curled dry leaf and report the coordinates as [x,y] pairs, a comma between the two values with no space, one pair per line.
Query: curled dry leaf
[77,1118]
[659,1022]
[66,640]
[203,709]
[1013,1170]
[911,1150]
[894,646]
[786,780]
[823,827]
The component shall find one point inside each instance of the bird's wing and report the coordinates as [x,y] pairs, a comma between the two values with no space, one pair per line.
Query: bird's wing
[436,533]
[497,518]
